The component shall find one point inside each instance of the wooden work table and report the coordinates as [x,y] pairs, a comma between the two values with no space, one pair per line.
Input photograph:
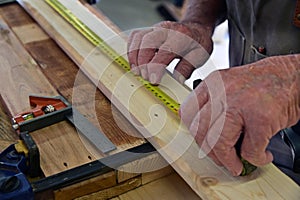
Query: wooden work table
[42,53]
[32,63]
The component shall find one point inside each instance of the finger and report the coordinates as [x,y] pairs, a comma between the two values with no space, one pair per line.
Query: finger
[255,143]
[134,43]
[200,124]
[193,59]
[161,59]
[150,44]
[199,128]
[222,137]
[167,52]
[193,103]
[155,72]
[144,71]
[213,156]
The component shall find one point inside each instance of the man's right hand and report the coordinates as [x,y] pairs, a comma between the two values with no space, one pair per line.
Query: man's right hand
[151,50]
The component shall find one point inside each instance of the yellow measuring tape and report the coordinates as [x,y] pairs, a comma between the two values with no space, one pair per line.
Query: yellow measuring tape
[107,50]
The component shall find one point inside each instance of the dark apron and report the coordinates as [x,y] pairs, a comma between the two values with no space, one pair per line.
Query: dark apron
[258,29]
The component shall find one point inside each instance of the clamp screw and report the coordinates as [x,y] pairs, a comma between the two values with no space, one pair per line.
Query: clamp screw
[49,109]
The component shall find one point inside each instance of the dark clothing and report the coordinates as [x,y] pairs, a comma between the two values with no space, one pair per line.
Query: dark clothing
[261,28]
[261,23]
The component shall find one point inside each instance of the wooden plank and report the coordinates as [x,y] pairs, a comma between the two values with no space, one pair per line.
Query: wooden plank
[26,33]
[170,138]
[150,164]
[169,187]
[155,175]
[113,191]
[6,131]
[62,74]
[101,16]
[87,187]
[60,146]
[4,144]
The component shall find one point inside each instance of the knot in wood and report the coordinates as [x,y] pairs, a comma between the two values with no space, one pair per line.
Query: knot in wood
[209,181]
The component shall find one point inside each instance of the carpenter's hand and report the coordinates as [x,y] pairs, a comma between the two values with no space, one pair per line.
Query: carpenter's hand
[151,50]
[258,99]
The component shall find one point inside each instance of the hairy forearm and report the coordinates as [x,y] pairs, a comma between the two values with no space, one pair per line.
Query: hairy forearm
[206,12]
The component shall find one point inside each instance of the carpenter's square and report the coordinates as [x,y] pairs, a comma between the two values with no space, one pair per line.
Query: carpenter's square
[50,110]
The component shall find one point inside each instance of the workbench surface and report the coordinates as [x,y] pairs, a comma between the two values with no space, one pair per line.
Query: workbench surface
[34,64]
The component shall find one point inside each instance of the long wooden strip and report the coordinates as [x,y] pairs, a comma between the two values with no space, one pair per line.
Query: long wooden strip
[170,138]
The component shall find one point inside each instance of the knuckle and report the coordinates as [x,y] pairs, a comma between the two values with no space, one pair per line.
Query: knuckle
[252,156]
[164,24]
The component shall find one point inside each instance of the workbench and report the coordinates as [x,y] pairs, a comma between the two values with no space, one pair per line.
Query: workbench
[42,53]
[33,57]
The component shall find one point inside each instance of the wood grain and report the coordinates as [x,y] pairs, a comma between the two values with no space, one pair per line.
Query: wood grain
[87,187]
[161,127]
[60,146]
[169,187]
[4,144]
[65,76]
[113,191]
[6,131]
[61,72]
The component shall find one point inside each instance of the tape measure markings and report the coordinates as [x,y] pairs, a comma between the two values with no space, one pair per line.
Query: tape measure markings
[97,41]
[105,48]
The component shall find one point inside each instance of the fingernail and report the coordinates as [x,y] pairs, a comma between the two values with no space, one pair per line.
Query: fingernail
[135,71]
[181,79]
[202,154]
[153,78]
[237,172]
[144,73]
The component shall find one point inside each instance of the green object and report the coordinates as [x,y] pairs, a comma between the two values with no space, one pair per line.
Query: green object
[248,167]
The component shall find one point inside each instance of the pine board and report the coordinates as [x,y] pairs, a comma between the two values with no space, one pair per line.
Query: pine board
[169,187]
[170,138]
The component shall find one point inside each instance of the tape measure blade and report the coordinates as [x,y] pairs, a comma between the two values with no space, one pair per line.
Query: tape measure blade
[111,53]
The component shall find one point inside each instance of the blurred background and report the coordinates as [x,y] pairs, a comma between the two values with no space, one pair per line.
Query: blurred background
[132,14]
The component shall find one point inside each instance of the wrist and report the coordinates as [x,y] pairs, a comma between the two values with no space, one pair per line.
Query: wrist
[206,13]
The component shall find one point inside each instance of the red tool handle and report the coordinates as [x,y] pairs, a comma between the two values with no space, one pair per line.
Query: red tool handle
[38,105]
